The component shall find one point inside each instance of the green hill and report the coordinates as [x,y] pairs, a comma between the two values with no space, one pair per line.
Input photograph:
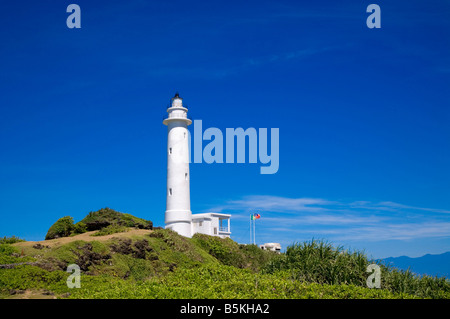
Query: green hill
[138,262]
[106,219]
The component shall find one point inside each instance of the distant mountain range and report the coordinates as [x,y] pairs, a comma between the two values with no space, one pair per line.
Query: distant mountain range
[432,265]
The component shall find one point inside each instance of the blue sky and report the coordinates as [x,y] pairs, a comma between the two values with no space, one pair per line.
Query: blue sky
[363,115]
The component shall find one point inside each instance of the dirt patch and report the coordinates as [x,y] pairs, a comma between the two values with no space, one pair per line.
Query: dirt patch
[31,294]
[85,237]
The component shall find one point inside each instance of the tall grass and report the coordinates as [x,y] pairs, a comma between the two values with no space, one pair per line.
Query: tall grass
[405,281]
[320,262]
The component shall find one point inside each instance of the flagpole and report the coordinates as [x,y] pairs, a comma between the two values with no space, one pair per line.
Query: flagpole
[254,231]
[250,228]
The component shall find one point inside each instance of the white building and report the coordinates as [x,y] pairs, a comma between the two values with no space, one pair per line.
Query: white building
[271,246]
[178,215]
[211,224]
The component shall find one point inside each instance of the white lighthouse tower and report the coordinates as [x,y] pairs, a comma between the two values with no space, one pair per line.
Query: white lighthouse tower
[178,215]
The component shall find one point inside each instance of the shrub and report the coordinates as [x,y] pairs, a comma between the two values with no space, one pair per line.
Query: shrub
[26,277]
[87,257]
[230,253]
[172,239]
[79,228]
[107,216]
[256,257]
[10,240]
[105,219]
[122,246]
[111,229]
[138,249]
[10,255]
[62,228]
[141,247]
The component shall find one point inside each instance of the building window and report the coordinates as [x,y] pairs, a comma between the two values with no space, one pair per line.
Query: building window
[215,230]
[185,176]
[200,224]
[170,150]
[170,191]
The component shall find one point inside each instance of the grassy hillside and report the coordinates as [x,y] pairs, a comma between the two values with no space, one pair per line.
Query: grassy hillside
[143,263]
[107,220]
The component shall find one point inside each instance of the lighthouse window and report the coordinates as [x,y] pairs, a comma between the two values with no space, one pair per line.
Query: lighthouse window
[170,150]
[185,176]
[170,191]
[184,134]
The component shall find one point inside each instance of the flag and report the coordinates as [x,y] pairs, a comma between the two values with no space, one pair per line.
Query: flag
[255,216]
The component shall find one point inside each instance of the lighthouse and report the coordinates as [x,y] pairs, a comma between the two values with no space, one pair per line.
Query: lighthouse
[178,216]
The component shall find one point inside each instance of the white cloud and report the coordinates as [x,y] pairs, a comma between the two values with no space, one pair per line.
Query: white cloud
[274,203]
[336,220]
[404,231]
[394,207]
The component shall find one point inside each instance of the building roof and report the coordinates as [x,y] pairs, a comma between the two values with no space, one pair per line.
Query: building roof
[210,215]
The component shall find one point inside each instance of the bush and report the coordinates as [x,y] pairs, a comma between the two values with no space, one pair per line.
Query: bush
[111,229]
[62,228]
[138,249]
[230,253]
[10,240]
[87,256]
[26,277]
[122,246]
[79,228]
[10,255]
[105,219]
[107,216]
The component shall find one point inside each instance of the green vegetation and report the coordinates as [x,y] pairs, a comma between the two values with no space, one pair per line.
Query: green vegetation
[230,253]
[208,281]
[106,216]
[111,229]
[10,240]
[62,228]
[106,219]
[163,264]
[320,262]
[11,255]
[79,228]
